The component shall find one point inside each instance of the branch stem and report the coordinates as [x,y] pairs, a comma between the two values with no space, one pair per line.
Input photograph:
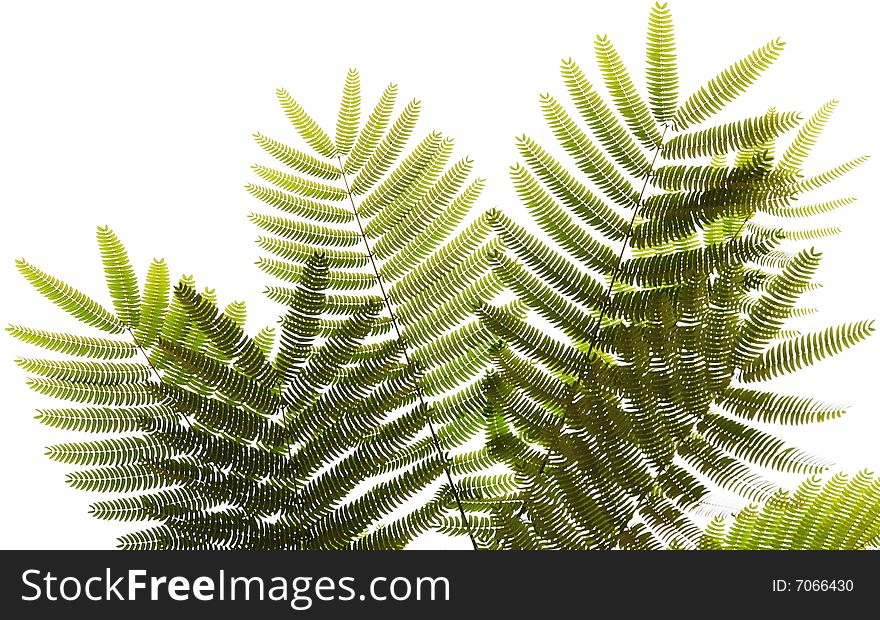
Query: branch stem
[422,401]
[609,293]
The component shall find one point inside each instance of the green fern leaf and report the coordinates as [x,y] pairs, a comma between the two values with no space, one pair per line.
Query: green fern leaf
[118,451]
[388,150]
[775,304]
[726,86]
[776,408]
[154,303]
[305,125]
[71,344]
[121,281]
[608,414]
[69,299]
[115,479]
[602,121]
[737,136]
[86,372]
[824,178]
[628,101]
[797,152]
[795,353]
[661,70]
[103,419]
[839,514]
[349,113]
[372,132]
[296,159]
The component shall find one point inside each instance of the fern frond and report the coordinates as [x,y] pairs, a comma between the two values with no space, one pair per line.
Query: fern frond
[296,159]
[602,122]
[402,187]
[146,506]
[674,220]
[349,113]
[797,152]
[127,394]
[755,446]
[604,399]
[780,294]
[808,210]
[725,471]
[676,267]
[153,303]
[121,280]
[114,479]
[300,327]
[375,127]
[103,452]
[573,194]
[840,513]
[808,234]
[612,422]
[301,186]
[661,69]
[736,136]
[69,299]
[300,206]
[72,344]
[305,231]
[305,125]
[726,86]
[776,408]
[430,236]
[225,333]
[103,419]
[387,150]
[800,351]
[341,280]
[547,263]
[422,260]
[824,178]
[107,373]
[586,155]
[628,101]
[562,229]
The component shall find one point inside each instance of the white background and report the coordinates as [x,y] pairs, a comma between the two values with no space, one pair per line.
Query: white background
[140,117]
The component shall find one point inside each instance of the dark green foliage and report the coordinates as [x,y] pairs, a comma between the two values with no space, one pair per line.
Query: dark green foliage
[395,227]
[278,450]
[621,416]
[222,445]
[600,408]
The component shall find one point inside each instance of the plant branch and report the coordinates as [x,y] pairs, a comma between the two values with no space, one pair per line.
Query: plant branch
[422,402]
[573,385]
[665,467]
[186,419]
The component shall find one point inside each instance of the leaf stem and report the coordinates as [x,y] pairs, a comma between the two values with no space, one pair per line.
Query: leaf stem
[422,402]
[188,422]
[573,385]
